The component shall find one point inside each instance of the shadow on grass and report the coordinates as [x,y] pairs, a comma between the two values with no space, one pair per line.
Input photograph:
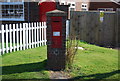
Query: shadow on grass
[98,76]
[31,67]
[39,66]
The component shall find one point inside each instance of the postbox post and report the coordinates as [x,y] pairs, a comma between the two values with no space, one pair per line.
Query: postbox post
[56,39]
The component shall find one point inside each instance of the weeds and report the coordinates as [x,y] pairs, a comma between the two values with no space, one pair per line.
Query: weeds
[72,47]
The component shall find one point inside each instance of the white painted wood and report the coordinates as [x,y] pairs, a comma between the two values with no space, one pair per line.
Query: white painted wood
[29,36]
[17,30]
[23,36]
[26,35]
[40,34]
[37,35]
[7,38]
[67,28]
[14,37]
[32,37]
[20,36]
[3,51]
[24,26]
[10,37]
[45,33]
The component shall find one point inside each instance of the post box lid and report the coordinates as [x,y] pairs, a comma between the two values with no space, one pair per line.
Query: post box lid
[56,13]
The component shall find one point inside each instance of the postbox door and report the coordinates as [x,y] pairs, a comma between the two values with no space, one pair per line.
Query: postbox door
[56,32]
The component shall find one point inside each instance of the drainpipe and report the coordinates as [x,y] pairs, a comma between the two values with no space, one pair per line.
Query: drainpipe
[28,12]
[57,3]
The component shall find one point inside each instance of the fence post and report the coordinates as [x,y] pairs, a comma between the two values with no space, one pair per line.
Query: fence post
[6,38]
[17,37]
[26,34]
[117,27]
[24,26]
[37,35]
[3,39]
[45,32]
[21,36]
[40,33]
[10,37]
[14,37]
[67,28]
[30,36]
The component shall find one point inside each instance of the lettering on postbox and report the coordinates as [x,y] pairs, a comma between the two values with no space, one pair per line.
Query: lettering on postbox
[56,24]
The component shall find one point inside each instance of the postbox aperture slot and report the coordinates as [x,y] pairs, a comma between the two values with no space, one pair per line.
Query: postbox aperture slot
[56,21]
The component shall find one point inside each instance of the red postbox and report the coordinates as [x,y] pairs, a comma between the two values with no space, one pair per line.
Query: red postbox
[56,36]
[56,24]
[44,7]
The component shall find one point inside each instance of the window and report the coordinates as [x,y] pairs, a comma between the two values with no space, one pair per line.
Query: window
[84,7]
[12,11]
[72,6]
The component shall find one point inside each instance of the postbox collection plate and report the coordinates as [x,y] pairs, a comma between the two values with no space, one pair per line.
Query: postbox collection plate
[56,33]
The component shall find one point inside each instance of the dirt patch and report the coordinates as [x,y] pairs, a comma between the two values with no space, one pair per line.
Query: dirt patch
[59,75]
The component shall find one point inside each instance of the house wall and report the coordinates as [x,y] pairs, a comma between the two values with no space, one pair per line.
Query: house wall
[31,10]
[79,5]
[91,5]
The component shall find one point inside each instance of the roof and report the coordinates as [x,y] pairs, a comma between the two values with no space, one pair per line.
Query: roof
[116,1]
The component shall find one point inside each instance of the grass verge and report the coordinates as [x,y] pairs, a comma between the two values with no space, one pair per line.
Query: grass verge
[95,63]
[91,63]
[28,64]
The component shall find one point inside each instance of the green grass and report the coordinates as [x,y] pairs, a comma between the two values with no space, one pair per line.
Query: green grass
[28,64]
[95,63]
[8,45]
[92,63]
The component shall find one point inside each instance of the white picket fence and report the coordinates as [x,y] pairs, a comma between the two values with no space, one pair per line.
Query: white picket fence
[15,37]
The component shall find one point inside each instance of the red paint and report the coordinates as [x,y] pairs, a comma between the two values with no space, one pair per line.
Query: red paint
[46,7]
[56,24]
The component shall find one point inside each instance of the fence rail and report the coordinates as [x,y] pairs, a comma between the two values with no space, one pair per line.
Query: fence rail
[22,36]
